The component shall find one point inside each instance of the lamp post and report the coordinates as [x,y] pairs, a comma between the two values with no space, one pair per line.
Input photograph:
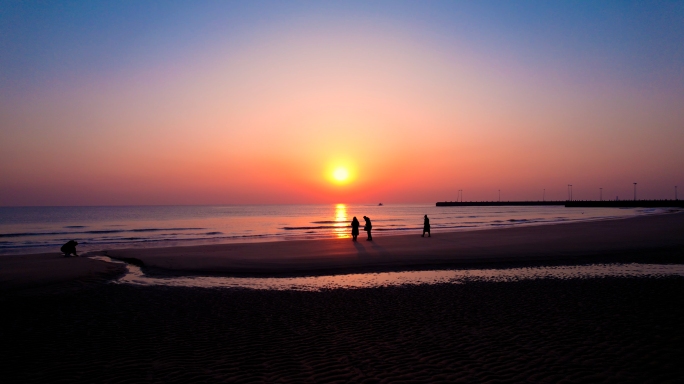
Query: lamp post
[600,194]
[635,191]
[676,193]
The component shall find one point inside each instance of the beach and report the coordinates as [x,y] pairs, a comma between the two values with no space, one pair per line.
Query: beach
[63,321]
[204,167]
[597,241]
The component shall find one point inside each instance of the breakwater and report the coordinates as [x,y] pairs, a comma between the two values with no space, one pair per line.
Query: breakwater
[570,203]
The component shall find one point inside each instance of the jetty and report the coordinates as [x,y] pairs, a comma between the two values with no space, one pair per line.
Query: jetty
[570,203]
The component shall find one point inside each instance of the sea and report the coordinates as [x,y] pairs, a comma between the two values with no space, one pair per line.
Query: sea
[26,230]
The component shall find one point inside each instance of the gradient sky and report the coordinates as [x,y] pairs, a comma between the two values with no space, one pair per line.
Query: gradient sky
[164,102]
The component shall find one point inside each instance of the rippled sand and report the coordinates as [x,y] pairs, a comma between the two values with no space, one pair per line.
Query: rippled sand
[620,330]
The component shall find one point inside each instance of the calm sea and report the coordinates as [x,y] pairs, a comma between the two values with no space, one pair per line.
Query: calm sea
[44,229]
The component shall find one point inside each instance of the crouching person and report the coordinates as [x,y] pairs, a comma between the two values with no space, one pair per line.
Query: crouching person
[69,248]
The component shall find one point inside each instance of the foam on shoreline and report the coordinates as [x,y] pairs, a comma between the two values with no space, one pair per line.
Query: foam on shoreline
[135,276]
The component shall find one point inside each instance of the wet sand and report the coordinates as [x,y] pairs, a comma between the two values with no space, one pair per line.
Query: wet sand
[52,272]
[71,326]
[636,239]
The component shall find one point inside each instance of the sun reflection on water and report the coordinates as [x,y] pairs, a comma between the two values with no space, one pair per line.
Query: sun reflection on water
[341,222]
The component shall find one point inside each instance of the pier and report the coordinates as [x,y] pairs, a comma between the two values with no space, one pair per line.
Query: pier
[570,203]
[495,203]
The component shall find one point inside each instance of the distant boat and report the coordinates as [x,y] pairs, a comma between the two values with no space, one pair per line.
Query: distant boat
[380,204]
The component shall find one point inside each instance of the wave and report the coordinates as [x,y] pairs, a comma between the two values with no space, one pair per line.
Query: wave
[328,222]
[349,221]
[397,229]
[124,240]
[95,232]
[433,226]
[391,227]
[317,227]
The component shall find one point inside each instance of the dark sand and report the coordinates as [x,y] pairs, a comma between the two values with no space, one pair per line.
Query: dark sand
[71,326]
[51,271]
[618,330]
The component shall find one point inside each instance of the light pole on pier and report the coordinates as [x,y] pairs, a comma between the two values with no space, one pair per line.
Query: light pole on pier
[570,192]
[600,194]
[635,191]
[676,193]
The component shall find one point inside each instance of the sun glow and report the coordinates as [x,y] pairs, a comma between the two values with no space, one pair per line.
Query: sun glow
[341,174]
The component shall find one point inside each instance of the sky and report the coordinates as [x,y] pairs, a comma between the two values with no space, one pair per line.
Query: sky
[217,102]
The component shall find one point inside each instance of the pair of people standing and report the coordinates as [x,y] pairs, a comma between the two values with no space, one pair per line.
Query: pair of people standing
[355,228]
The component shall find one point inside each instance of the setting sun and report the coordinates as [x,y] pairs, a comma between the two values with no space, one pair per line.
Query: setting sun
[341,174]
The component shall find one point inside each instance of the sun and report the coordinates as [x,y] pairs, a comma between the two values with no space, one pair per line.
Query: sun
[340,174]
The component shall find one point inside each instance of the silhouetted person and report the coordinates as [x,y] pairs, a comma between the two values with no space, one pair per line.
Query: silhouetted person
[355,228]
[368,228]
[426,226]
[69,248]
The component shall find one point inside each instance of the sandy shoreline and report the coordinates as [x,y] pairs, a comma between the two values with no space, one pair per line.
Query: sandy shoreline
[655,238]
[608,240]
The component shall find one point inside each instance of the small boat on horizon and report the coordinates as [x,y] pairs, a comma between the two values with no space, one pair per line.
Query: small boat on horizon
[380,204]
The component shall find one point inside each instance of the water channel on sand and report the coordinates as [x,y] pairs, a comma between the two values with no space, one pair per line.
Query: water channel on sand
[135,276]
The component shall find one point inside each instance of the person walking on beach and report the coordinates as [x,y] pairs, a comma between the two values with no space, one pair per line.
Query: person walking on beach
[355,228]
[368,228]
[426,226]
[69,248]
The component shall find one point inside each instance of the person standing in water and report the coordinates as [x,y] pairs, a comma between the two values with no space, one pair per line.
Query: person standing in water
[355,228]
[368,228]
[426,226]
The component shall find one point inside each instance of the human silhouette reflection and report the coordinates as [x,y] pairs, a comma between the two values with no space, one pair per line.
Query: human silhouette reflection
[368,228]
[355,228]
[69,248]
[426,226]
